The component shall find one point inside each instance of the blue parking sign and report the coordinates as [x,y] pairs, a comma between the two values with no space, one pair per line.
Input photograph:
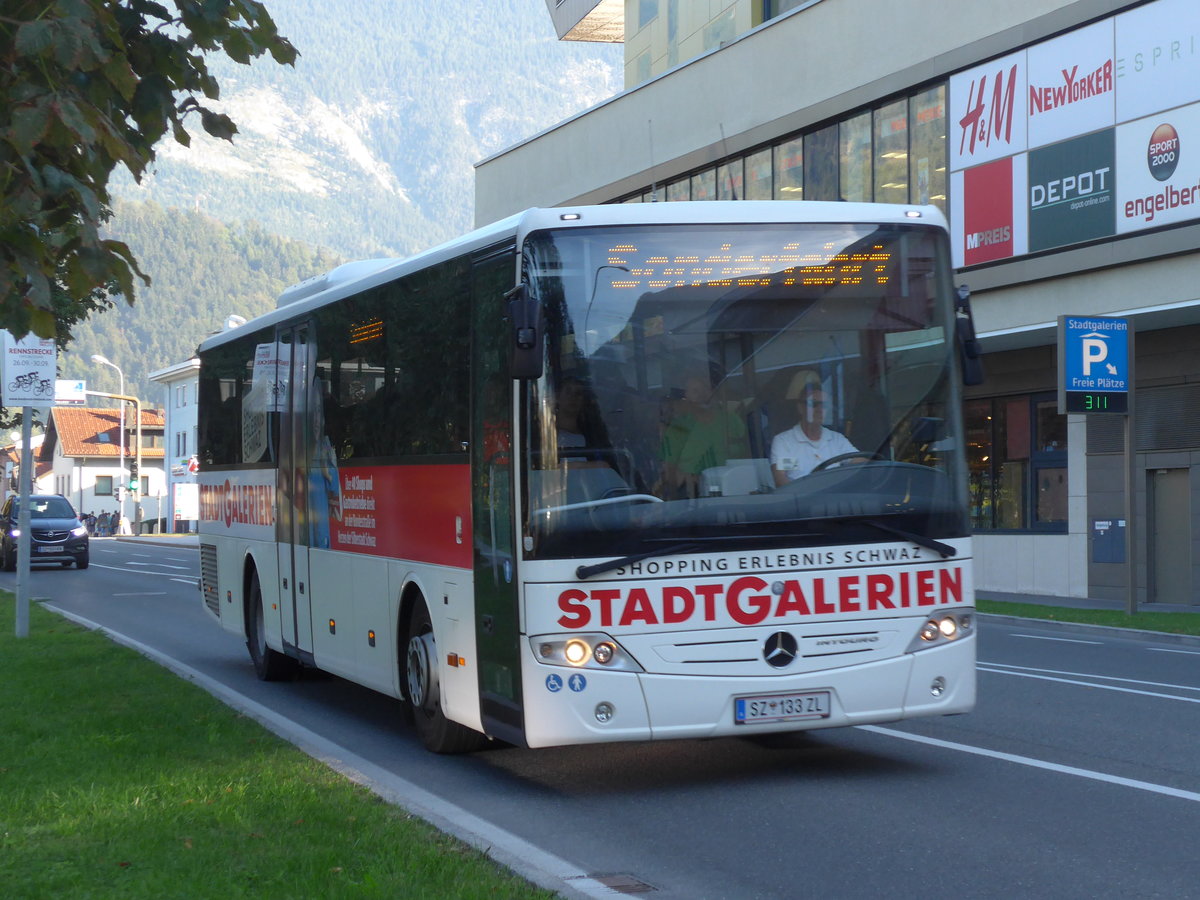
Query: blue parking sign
[1094,364]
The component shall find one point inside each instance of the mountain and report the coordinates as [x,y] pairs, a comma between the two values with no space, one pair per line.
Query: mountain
[367,146]
[364,149]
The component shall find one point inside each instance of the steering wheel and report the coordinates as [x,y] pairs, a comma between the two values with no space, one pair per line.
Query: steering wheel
[863,455]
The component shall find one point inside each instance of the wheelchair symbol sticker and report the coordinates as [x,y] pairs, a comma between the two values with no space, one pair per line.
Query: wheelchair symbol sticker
[554,683]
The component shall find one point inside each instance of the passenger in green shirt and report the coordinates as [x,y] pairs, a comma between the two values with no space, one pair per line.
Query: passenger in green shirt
[701,434]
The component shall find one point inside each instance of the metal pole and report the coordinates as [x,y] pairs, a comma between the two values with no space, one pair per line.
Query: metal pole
[23,521]
[123,490]
[1131,603]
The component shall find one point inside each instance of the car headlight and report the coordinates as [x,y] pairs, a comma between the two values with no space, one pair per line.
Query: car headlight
[16,532]
[79,530]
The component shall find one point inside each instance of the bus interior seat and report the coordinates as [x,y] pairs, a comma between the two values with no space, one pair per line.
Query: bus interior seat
[576,484]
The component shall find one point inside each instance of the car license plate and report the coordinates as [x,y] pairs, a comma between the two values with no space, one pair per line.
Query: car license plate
[781,707]
[50,549]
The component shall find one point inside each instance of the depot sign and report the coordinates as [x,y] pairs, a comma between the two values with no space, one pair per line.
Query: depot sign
[753,600]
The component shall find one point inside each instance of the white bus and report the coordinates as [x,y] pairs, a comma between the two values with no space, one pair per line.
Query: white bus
[568,479]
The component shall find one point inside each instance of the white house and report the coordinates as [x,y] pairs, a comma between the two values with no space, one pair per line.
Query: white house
[180,381]
[83,446]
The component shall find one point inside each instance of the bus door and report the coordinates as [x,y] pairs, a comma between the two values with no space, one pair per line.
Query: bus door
[497,619]
[293,526]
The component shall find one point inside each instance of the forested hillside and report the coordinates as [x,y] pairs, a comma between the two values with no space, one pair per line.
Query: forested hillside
[204,270]
[365,149]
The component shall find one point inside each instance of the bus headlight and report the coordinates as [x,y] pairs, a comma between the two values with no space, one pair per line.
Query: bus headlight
[942,629]
[583,651]
[577,652]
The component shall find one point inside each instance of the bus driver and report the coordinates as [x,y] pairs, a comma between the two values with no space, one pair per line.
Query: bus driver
[800,449]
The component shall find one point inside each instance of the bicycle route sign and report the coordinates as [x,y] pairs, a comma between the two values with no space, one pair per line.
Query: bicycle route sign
[29,370]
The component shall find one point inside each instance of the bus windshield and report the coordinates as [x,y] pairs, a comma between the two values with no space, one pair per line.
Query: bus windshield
[715,387]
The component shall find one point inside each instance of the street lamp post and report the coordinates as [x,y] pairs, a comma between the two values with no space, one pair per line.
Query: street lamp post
[97,358]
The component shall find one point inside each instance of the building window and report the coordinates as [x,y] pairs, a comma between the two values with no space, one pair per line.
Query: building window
[647,11]
[104,486]
[704,185]
[731,180]
[927,157]
[854,158]
[758,176]
[181,444]
[821,164]
[789,170]
[891,153]
[679,190]
[181,396]
[1017,457]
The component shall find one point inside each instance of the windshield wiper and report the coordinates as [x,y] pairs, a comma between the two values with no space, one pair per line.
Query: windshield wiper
[919,539]
[946,550]
[584,572]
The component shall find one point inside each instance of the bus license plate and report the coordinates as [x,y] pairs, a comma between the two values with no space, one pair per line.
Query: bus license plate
[781,707]
[50,549]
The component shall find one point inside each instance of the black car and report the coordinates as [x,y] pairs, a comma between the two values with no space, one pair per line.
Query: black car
[56,534]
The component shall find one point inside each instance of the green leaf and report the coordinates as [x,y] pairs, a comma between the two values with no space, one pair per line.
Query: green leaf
[76,119]
[121,76]
[33,38]
[218,124]
[42,322]
[29,124]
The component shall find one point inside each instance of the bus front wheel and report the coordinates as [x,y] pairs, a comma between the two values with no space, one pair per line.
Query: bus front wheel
[269,665]
[422,690]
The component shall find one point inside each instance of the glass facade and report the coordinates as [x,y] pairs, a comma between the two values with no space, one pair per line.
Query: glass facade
[1017,460]
[892,152]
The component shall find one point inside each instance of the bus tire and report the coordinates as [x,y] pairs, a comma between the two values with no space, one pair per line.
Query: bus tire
[423,693]
[269,665]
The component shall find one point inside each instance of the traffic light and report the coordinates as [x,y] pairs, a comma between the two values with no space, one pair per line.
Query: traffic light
[133,475]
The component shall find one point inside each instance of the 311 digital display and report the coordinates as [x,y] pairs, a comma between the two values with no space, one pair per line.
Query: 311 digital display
[1097,402]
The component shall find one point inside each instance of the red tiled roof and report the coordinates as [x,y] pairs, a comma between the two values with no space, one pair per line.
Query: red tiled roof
[78,430]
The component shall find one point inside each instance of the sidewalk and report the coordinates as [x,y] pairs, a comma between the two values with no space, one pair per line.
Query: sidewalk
[1083,602]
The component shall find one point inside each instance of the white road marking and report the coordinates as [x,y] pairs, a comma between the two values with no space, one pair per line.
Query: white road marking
[1037,763]
[1167,684]
[1039,637]
[143,594]
[126,570]
[1100,687]
[1168,650]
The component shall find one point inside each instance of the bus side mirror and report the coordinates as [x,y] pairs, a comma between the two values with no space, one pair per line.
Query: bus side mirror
[525,314]
[969,351]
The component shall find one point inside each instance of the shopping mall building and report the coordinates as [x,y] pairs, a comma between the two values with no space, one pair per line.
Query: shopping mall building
[1062,140]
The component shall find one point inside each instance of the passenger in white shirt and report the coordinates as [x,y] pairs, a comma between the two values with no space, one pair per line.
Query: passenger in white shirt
[797,451]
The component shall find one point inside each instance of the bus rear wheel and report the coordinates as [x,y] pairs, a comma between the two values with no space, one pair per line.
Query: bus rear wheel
[422,690]
[269,665]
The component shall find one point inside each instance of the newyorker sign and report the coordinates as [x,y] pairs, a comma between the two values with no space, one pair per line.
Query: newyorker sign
[1095,127]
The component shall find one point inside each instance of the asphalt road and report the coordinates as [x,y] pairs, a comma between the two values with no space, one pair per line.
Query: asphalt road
[1077,775]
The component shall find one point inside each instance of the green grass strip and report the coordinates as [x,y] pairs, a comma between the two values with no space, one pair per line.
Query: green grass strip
[118,779]
[1167,622]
